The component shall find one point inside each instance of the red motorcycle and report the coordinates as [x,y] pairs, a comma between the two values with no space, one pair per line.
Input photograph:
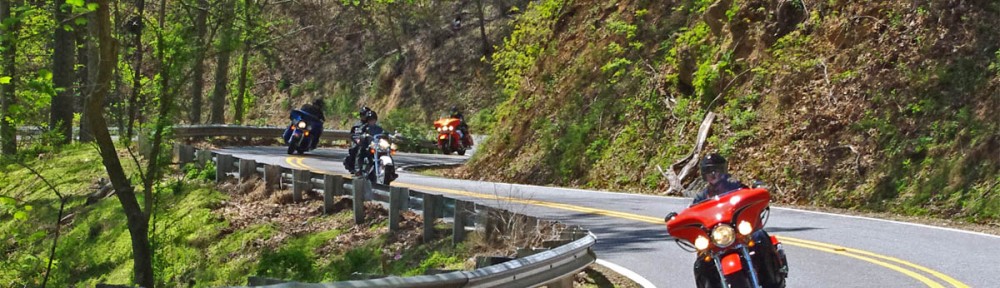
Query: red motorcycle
[726,232]
[450,139]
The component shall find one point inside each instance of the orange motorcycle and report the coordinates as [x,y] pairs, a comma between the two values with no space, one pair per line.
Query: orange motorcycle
[450,138]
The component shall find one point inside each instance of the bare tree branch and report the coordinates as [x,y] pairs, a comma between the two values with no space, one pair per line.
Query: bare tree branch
[62,205]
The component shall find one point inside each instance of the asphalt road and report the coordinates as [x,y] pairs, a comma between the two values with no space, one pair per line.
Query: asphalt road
[824,250]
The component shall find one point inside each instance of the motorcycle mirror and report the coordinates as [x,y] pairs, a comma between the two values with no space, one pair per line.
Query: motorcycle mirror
[669,216]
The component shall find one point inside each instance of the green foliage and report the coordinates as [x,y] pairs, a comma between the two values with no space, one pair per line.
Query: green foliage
[407,123]
[622,28]
[287,264]
[192,171]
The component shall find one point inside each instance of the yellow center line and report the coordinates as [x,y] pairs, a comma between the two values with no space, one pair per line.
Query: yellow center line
[824,247]
[907,272]
[937,274]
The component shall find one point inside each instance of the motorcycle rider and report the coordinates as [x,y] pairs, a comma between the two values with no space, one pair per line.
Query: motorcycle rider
[352,153]
[314,109]
[463,129]
[370,128]
[715,172]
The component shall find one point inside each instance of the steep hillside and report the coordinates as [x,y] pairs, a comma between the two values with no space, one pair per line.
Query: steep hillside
[404,59]
[881,105]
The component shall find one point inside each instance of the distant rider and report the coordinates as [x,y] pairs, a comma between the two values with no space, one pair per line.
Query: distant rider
[463,129]
[315,111]
[370,128]
[352,153]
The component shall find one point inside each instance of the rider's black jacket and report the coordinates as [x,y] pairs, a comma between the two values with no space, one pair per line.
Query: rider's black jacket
[725,184]
[315,111]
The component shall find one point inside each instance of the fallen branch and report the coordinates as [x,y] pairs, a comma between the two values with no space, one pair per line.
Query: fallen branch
[676,180]
[857,155]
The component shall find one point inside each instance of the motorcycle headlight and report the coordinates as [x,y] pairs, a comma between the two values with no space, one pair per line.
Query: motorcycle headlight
[723,235]
[745,228]
[451,128]
[439,129]
[302,124]
[383,145]
[701,243]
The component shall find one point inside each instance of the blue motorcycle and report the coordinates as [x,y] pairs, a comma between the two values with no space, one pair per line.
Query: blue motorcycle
[299,136]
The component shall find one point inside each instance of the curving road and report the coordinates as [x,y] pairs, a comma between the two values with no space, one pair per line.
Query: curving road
[824,250]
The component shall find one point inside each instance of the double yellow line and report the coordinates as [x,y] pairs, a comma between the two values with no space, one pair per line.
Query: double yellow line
[902,266]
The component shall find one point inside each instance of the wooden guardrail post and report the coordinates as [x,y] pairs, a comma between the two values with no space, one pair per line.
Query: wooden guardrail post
[430,215]
[300,183]
[332,186]
[224,164]
[462,211]
[359,200]
[272,177]
[185,154]
[396,206]
[248,168]
[485,217]
[202,157]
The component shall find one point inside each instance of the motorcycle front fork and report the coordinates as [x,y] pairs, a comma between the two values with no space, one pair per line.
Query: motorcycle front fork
[748,267]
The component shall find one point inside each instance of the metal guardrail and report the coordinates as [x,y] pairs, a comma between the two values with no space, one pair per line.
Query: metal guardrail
[553,268]
[213,130]
[186,131]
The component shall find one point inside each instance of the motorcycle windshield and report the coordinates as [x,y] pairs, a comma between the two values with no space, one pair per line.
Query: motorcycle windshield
[447,121]
[742,204]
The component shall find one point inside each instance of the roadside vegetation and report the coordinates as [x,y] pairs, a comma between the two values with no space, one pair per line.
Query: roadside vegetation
[200,236]
[887,106]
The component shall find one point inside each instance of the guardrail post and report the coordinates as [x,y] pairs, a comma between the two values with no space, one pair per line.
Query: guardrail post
[202,157]
[462,210]
[430,201]
[144,147]
[248,167]
[396,206]
[185,154]
[272,177]
[224,164]
[300,183]
[359,200]
[485,218]
[332,184]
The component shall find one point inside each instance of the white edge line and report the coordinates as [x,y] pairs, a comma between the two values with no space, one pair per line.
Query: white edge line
[891,221]
[638,279]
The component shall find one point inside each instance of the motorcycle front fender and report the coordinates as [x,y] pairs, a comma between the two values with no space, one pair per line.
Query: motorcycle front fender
[731,264]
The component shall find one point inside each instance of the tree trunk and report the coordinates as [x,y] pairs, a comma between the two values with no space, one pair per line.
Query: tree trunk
[245,59]
[8,136]
[242,83]
[198,71]
[87,73]
[61,114]
[487,48]
[135,26]
[138,223]
[222,63]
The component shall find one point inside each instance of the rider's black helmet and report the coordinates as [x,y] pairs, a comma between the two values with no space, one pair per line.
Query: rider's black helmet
[713,164]
[319,103]
[361,113]
[369,115]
